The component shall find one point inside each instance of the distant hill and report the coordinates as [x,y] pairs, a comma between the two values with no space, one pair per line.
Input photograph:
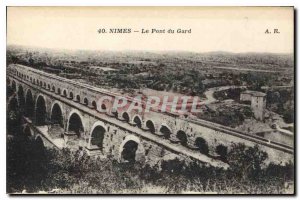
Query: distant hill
[225,58]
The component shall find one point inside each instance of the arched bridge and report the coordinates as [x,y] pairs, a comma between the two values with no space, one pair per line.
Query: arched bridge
[65,113]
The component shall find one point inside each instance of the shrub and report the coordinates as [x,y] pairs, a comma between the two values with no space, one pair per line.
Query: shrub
[246,162]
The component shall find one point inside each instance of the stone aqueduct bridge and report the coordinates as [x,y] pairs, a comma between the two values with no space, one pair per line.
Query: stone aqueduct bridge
[147,137]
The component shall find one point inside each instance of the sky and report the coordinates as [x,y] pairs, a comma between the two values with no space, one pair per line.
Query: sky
[232,29]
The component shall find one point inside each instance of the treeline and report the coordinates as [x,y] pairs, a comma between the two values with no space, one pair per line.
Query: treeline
[34,169]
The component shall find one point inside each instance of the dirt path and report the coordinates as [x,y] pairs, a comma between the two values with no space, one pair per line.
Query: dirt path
[209,93]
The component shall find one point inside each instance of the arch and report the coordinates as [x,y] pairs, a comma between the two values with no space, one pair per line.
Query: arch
[97,135]
[40,111]
[181,135]
[20,87]
[202,145]
[37,82]
[126,117]
[166,131]
[138,121]
[98,123]
[85,101]
[45,84]
[150,126]
[21,98]
[71,96]
[64,93]
[28,90]
[75,123]
[33,81]
[78,98]
[41,83]
[56,114]
[14,86]
[9,91]
[131,150]
[48,87]
[58,91]
[13,104]
[53,88]
[107,107]
[29,104]
[222,151]
[103,107]
[94,105]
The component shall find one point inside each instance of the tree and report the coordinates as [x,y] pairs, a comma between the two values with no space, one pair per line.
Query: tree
[246,162]
[31,61]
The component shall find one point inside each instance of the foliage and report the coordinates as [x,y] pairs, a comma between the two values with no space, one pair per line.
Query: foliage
[233,115]
[35,169]
[231,93]
[282,102]
[246,162]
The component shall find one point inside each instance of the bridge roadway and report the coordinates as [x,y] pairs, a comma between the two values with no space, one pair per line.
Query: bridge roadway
[175,148]
[217,127]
